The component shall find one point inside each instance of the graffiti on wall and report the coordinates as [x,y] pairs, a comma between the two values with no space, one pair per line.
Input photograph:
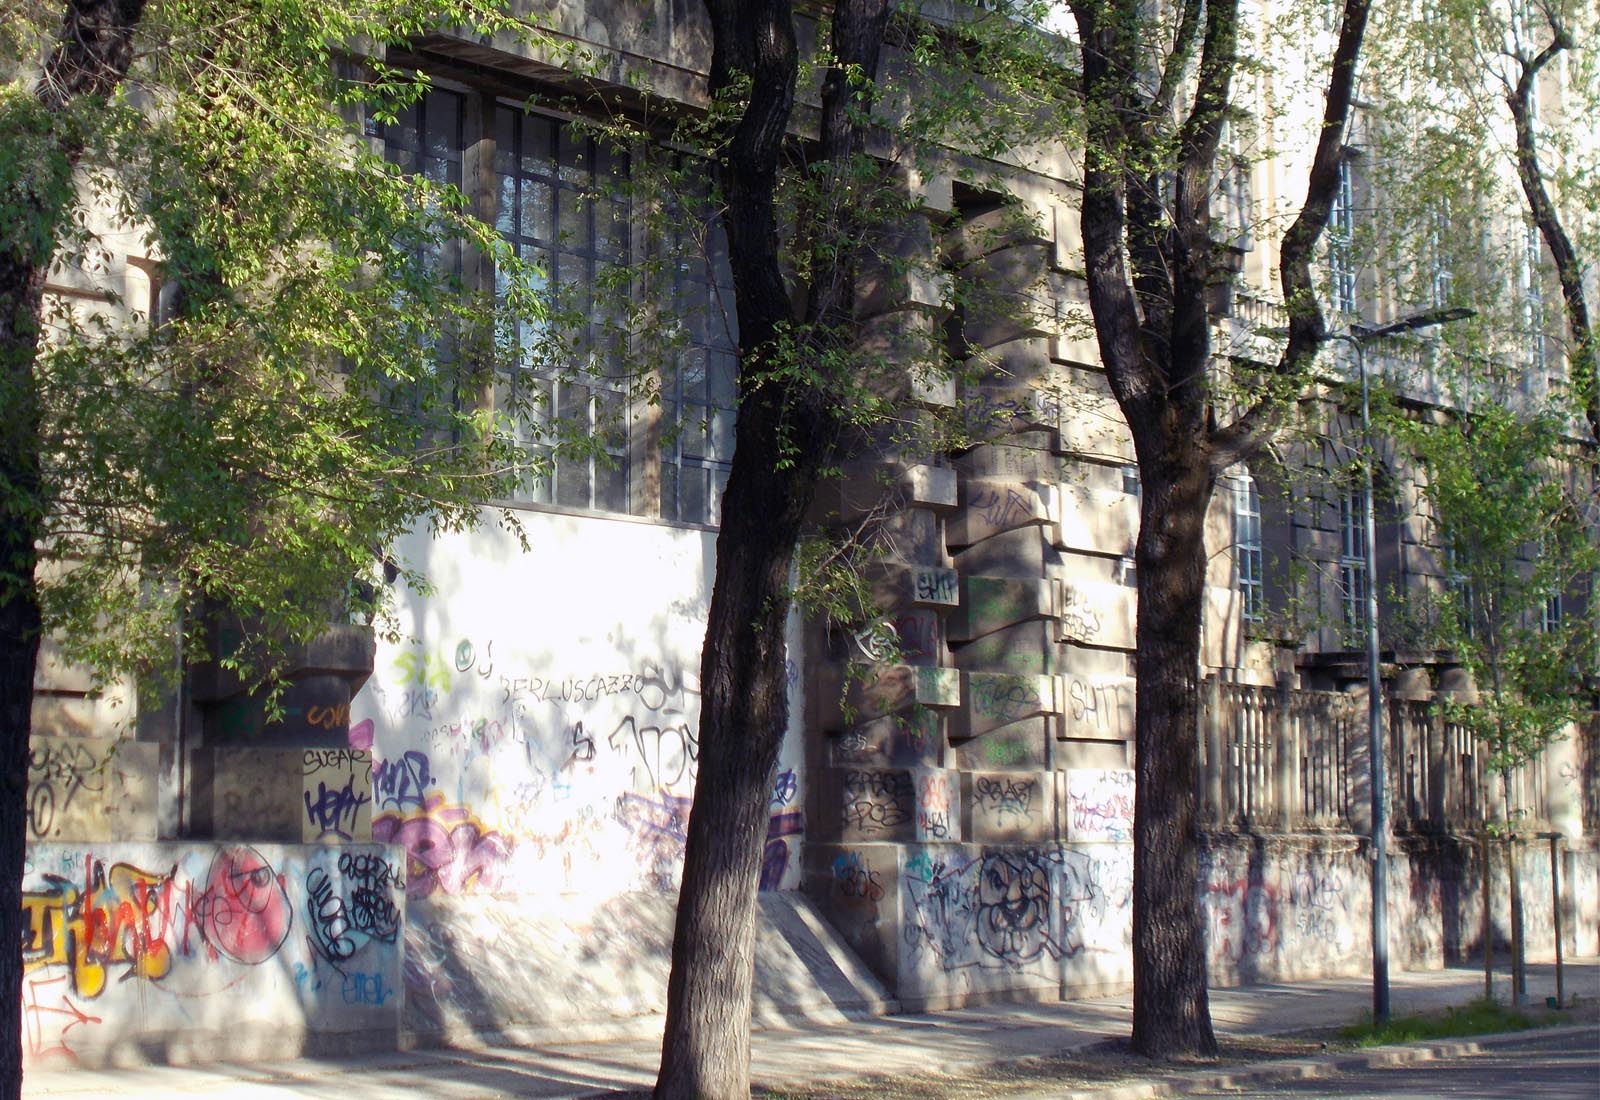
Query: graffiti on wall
[339,921]
[1101,708]
[447,848]
[1241,912]
[785,826]
[936,792]
[499,773]
[555,712]
[877,801]
[1260,911]
[117,943]
[336,791]
[1100,804]
[482,764]
[1319,906]
[1015,909]
[1006,801]
[60,772]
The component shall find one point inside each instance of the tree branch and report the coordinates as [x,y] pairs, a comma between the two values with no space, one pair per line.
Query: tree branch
[1191,245]
[1307,329]
[1547,219]
[1109,46]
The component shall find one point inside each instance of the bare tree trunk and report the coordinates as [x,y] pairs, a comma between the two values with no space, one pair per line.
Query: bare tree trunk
[19,647]
[789,426]
[1519,972]
[706,1052]
[1519,975]
[90,59]
[1151,265]
[1171,1005]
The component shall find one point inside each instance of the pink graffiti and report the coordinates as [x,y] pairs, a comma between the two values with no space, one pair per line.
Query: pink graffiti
[361,734]
[244,913]
[447,849]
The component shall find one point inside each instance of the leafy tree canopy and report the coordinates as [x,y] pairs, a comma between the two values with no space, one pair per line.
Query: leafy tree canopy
[1509,507]
[307,386]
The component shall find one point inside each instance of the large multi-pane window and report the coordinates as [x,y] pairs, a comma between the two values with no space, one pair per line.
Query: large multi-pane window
[560,201]
[1247,549]
[426,139]
[570,386]
[1533,300]
[1341,241]
[699,391]
[1353,578]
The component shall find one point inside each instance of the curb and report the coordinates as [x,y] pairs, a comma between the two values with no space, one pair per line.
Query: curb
[1300,1069]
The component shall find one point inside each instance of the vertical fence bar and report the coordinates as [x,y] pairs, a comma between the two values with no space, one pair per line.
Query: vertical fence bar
[1283,735]
[1216,760]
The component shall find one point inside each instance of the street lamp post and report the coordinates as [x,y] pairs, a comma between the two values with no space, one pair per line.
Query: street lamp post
[1358,337]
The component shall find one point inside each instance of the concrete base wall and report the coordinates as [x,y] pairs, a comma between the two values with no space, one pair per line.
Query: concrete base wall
[1286,907]
[175,953]
[947,925]
[481,970]
[139,952]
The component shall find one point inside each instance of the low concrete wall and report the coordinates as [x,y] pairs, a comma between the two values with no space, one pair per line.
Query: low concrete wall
[173,952]
[1285,907]
[949,924]
[482,969]
[958,924]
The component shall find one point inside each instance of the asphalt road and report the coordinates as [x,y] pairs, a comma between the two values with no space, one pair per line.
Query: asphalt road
[1537,1067]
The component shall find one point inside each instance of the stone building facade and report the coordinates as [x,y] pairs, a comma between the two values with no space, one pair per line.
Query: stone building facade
[474,833]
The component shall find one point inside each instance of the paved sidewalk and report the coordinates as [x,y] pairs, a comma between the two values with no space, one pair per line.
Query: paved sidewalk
[963,1039]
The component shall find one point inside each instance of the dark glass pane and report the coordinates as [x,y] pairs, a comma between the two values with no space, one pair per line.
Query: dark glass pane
[573,483]
[611,488]
[540,259]
[574,402]
[535,214]
[535,479]
[505,140]
[610,166]
[692,440]
[669,491]
[611,418]
[443,124]
[573,221]
[441,171]
[537,136]
[721,436]
[692,378]
[574,157]
[538,408]
[693,495]
[719,485]
[723,380]
[402,134]
[611,232]
[505,213]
